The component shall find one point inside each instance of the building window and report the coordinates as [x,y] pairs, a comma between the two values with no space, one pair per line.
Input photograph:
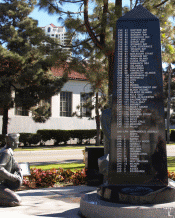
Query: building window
[84,111]
[65,104]
[21,111]
[48,30]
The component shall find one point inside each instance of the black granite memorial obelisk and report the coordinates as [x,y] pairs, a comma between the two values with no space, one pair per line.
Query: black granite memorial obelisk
[137,144]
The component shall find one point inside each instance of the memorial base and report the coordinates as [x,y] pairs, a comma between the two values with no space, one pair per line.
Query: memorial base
[93,206]
[136,194]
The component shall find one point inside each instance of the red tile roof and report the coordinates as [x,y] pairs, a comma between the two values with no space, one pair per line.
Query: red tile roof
[71,75]
[55,26]
[51,24]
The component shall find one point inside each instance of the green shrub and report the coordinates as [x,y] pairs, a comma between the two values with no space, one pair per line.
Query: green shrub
[65,175]
[65,135]
[24,138]
[34,139]
[57,135]
[61,136]
[29,138]
[41,178]
[45,134]
[79,177]
[83,134]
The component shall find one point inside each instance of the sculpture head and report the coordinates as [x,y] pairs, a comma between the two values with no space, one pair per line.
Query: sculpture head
[12,140]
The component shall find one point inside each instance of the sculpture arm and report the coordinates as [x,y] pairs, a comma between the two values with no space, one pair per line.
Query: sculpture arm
[5,175]
[16,168]
[4,159]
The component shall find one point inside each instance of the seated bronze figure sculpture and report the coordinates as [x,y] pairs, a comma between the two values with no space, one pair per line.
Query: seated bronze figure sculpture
[10,172]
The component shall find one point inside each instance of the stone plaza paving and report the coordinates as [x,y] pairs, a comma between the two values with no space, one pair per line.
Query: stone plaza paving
[48,202]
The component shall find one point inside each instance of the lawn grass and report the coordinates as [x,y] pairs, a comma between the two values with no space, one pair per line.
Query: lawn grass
[74,166]
[71,166]
[171,163]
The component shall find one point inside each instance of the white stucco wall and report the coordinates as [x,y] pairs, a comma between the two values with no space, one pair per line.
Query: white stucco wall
[26,123]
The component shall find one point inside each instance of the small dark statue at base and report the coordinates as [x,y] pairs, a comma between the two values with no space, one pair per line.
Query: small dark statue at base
[10,172]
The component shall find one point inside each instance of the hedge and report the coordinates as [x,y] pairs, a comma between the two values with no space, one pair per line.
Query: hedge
[29,138]
[26,138]
[66,135]
[58,136]
[83,134]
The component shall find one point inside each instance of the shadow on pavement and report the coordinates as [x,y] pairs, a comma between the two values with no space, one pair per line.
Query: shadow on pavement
[59,192]
[49,202]
[67,214]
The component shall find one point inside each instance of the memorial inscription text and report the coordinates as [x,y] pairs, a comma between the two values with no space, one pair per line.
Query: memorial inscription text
[131,97]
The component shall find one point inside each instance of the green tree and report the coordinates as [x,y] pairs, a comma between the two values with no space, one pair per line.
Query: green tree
[169,99]
[96,20]
[26,58]
[98,78]
[97,75]
[168,56]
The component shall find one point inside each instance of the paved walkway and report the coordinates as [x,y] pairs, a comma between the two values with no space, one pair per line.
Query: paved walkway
[49,202]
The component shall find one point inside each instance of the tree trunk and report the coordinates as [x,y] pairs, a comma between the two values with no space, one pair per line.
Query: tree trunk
[5,120]
[97,121]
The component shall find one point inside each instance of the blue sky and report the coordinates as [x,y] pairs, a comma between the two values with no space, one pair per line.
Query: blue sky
[44,18]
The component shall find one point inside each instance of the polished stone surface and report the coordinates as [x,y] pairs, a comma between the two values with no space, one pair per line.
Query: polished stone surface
[137,144]
[91,206]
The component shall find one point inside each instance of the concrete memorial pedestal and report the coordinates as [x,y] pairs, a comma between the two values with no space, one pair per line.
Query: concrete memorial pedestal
[137,180]
[91,206]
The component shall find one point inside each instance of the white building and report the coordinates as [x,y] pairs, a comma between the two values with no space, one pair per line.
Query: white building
[57,32]
[62,107]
